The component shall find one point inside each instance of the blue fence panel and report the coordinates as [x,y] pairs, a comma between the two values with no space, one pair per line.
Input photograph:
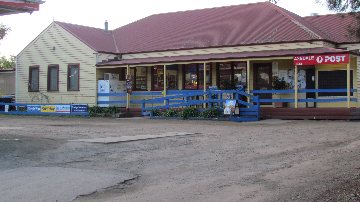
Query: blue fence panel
[210,98]
[292,100]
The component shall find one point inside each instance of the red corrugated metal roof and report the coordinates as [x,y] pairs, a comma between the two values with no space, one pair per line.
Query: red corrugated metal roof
[336,26]
[97,39]
[257,23]
[215,27]
[220,56]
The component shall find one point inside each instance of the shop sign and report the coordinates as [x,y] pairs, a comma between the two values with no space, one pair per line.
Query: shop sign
[63,108]
[33,108]
[79,108]
[322,59]
[48,108]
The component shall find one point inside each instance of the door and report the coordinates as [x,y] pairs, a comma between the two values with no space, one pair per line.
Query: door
[310,84]
[263,79]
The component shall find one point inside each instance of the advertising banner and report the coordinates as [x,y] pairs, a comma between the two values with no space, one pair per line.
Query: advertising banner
[48,108]
[33,108]
[63,108]
[79,108]
[340,58]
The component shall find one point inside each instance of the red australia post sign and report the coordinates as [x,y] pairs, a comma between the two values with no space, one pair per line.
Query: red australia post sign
[342,58]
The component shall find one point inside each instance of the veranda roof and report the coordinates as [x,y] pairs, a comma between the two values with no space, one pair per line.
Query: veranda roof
[221,56]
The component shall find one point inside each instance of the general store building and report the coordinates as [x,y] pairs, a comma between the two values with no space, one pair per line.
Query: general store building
[242,46]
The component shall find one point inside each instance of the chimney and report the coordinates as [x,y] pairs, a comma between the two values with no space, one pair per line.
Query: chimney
[106,26]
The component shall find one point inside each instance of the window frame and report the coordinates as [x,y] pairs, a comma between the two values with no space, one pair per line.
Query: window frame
[153,78]
[176,67]
[48,78]
[198,73]
[232,72]
[30,78]
[135,77]
[68,76]
[336,94]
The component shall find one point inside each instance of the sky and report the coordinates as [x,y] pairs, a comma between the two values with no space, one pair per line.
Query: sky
[26,27]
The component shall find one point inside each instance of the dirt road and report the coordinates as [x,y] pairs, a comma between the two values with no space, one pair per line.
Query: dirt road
[270,160]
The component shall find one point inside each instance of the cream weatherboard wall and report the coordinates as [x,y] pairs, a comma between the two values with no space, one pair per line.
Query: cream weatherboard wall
[56,46]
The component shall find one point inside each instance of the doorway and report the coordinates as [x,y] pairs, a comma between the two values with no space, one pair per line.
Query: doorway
[310,84]
[263,79]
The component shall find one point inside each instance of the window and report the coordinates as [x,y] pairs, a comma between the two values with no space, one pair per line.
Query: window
[73,77]
[140,78]
[194,76]
[53,78]
[172,77]
[157,73]
[240,78]
[201,76]
[231,75]
[334,80]
[190,77]
[225,76]
[33,85]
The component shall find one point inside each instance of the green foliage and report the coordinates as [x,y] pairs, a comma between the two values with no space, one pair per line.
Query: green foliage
[4,30]
[341,5]
[172,113]
[97,111]
[7,63]
[190,112]
[211,113]
[156,112]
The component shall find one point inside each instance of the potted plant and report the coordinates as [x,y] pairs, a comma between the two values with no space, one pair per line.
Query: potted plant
[280,84]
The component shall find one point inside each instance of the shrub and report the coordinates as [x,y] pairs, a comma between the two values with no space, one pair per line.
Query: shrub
[97,111]
[190,112]
[171,113]
[211,113]
[156,112]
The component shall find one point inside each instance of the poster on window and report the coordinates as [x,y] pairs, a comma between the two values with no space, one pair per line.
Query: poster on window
[129,83]
[229,107]
[290,78]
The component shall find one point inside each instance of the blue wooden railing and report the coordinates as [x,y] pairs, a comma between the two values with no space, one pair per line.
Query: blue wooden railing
[325,99]
[248,111]
[138,97]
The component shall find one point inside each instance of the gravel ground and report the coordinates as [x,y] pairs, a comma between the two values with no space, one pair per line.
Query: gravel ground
[271,160]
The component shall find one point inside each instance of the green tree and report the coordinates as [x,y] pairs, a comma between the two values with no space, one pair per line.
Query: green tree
[7,63]
[342,5]
[3,31]
[336,5]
